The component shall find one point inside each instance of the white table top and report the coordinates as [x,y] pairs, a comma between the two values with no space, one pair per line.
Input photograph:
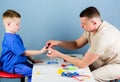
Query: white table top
[44,72]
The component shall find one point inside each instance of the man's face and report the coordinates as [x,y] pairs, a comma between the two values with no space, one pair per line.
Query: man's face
[87,24]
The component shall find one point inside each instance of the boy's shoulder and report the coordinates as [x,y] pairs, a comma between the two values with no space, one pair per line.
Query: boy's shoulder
[11,37]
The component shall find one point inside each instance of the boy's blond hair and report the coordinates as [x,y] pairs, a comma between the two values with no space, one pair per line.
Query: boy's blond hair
[11,14]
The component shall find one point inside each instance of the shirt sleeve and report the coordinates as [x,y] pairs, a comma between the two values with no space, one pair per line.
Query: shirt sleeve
[85,34]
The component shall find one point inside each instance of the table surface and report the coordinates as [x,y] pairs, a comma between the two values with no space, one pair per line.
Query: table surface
[44,72]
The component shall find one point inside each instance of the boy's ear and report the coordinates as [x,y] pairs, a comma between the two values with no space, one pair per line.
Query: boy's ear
[8,23]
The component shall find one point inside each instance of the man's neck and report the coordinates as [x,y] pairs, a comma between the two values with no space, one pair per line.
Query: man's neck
[98,26]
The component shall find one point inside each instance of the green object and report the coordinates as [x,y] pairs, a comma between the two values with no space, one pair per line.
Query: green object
[71,68]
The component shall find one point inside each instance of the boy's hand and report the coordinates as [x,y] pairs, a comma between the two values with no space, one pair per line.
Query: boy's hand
[43,49]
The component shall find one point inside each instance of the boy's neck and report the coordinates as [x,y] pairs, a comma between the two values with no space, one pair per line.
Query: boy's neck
[10,32]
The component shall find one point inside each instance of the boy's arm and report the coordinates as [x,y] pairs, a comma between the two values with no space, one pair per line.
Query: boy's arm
[35,52]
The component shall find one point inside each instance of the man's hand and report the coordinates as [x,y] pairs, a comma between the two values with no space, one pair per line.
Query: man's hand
[53,53]
[52,43]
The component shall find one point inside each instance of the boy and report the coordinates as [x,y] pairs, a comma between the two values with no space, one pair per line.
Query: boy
[14,55]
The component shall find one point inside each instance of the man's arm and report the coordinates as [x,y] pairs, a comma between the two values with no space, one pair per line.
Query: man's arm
[68,44]
[81,63]
[81,42]
[88,58]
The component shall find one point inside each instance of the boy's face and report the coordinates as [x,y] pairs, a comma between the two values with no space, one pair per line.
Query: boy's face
[12,25]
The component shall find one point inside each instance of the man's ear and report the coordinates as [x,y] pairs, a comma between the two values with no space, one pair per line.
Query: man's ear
[94,22]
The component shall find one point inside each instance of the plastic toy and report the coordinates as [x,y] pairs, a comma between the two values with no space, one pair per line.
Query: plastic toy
[52,62]
[60,71]
[38,73]
[67,73]
[69,67]
[70,74]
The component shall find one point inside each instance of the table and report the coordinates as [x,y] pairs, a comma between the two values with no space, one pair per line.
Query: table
[45,72]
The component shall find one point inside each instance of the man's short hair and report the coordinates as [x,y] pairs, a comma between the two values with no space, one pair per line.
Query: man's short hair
[90,12]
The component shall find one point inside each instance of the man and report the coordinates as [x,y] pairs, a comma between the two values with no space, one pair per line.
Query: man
[103,56]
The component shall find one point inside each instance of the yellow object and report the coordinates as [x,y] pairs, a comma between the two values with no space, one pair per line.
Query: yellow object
[60,71]
[38,73]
